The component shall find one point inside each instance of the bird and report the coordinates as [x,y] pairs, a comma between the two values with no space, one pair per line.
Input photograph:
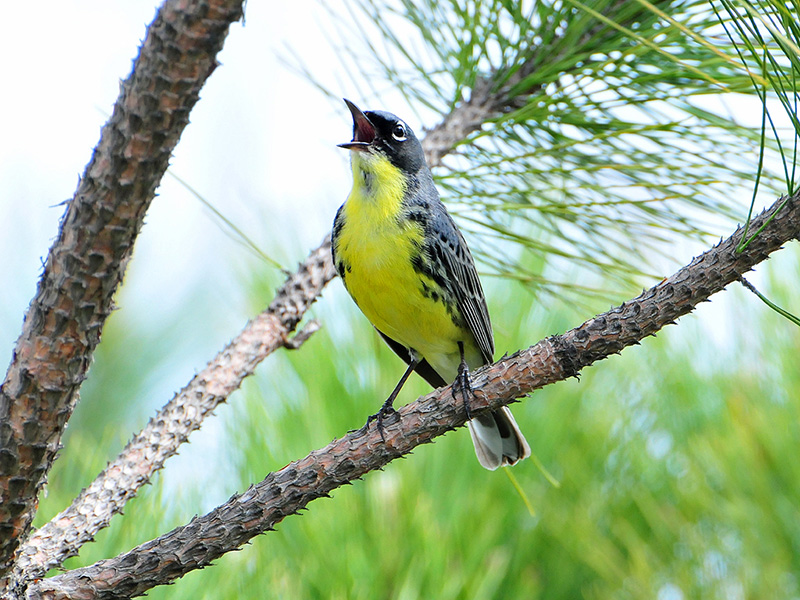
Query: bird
[407,266]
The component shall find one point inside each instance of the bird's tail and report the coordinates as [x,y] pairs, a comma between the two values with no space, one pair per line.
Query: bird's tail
[497,439]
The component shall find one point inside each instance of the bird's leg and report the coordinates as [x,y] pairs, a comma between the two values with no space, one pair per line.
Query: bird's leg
[388,406]
[462,381]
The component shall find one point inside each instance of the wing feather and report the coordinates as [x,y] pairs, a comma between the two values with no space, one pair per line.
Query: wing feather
[461,278]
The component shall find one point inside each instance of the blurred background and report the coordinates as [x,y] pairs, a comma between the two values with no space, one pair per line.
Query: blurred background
[666,472]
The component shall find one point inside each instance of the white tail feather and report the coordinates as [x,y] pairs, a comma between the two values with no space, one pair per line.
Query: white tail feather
[497,439]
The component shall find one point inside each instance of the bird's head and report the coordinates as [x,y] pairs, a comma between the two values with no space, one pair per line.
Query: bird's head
[384,135]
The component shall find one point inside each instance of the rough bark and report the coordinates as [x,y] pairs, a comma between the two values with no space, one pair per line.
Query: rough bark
[287,491]
[86,263]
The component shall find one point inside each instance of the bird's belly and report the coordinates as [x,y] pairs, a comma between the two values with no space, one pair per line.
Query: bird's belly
[390,293]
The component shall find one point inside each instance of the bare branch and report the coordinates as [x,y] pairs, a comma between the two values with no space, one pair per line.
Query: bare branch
[287,491]
[87,261]
[145,454]
[463,120]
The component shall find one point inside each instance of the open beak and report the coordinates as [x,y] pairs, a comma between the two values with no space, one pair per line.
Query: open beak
[363,131]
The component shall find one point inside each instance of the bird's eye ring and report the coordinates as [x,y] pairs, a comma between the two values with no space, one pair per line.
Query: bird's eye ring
[399,133]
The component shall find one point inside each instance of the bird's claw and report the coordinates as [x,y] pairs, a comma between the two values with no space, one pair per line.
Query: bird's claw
[378,417]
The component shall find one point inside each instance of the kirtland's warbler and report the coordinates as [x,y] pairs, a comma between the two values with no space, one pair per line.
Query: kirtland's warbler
[407,267]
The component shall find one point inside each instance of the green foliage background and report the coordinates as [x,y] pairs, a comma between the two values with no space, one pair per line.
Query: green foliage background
[674,461]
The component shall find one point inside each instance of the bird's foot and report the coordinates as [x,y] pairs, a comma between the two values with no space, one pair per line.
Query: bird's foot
[386,411]
[462,384]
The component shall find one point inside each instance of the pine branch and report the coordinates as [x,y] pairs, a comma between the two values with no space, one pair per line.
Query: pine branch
[64,536]
[87,261]
[289,490]
[146,453]
[507,87]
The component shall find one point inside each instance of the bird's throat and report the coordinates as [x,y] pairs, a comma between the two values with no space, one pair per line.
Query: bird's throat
[379,187]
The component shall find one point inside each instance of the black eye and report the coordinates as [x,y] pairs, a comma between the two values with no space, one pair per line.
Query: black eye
[399,133]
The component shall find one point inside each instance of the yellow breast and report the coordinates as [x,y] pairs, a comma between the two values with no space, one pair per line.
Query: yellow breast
[377,243]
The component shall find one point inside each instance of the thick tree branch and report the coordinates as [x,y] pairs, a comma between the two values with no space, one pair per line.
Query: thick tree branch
[87,261]
[556,358]
[145,454]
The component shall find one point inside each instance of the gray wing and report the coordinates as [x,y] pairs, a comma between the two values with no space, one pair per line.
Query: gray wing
[451,253]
